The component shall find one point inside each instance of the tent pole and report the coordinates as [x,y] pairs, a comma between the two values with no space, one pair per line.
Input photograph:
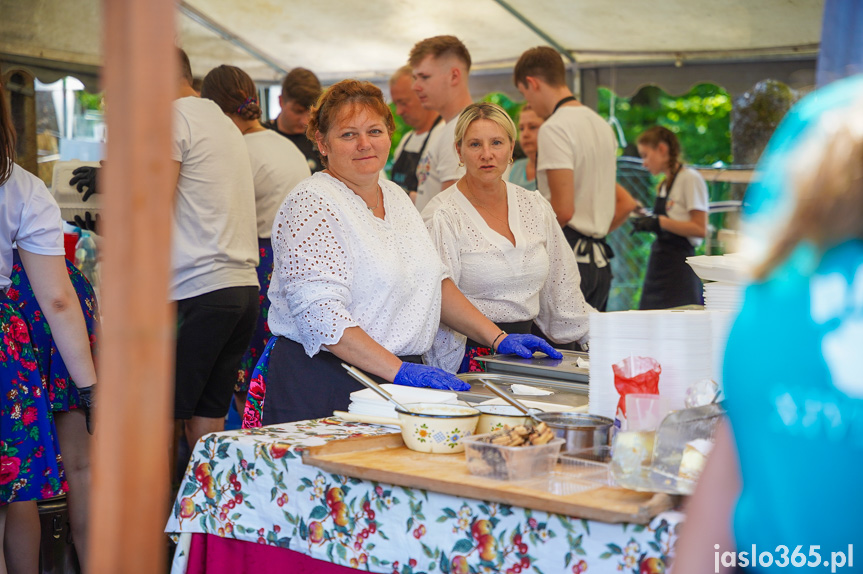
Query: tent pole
[130,501]
[536,29]
[211,25]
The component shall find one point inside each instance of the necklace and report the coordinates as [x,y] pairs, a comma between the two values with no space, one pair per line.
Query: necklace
[467,185]
[378,202]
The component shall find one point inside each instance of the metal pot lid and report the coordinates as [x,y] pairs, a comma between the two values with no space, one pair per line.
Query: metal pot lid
[574,420]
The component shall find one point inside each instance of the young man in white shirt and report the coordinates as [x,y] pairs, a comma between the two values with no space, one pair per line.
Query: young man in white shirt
[214,252]
[576,167]
[406,157]
[440,70]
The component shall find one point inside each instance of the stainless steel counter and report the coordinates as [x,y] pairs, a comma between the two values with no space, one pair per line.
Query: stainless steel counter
[564,392]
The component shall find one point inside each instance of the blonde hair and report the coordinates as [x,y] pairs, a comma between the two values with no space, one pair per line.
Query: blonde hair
[828,189]
[405,70]
[484,111]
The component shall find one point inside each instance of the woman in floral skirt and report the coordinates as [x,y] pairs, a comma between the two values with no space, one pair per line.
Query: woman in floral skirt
[30,465]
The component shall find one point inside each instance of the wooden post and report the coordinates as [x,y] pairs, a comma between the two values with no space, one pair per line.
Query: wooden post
[130,486]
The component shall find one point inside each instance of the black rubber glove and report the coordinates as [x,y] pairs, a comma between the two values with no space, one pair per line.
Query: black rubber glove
[84,179]
[88,401]
[647,224]
[88,222]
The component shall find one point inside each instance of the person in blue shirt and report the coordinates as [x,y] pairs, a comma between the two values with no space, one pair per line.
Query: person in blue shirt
[781,489]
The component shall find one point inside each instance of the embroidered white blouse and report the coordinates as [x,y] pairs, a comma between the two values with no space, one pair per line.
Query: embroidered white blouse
[339,266]
[537,278]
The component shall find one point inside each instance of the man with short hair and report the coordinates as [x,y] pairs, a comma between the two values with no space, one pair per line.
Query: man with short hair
[214,253]
[300,91]
[440,71]
[576,166]
[406,157]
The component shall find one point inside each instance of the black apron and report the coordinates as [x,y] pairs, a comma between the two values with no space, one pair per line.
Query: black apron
[669,281]
[301,388]
[405,166]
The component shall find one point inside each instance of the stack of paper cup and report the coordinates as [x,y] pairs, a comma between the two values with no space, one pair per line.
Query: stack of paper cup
[688,345]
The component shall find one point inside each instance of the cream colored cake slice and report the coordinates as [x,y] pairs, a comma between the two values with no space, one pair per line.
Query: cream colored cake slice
[694,457]
[633,450]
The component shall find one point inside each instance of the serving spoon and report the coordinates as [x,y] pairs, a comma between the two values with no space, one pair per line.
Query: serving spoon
[509,398]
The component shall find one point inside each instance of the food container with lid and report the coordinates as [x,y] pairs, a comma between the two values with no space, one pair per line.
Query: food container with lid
[510,462]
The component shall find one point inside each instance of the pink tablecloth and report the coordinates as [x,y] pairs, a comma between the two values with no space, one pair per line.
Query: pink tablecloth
[210,554]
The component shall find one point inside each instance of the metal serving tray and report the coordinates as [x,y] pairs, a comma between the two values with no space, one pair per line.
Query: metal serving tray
[564,369]
[565,392]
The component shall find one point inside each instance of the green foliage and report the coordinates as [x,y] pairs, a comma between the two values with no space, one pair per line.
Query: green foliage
[700,118]
[89,101]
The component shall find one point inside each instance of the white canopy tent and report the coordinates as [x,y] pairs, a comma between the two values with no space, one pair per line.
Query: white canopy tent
[618,39]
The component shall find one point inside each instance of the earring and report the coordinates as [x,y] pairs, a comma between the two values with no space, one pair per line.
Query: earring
[510,160]
[461,164]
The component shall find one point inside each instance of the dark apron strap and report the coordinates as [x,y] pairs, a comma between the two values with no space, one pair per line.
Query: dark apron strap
[522,327]
[405,167]
[585,244]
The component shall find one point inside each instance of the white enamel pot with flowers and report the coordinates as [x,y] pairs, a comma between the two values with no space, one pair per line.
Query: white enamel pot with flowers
[428,427]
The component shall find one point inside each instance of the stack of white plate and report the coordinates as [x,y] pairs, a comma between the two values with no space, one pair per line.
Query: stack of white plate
[368,402]
[688,345]
[721,296]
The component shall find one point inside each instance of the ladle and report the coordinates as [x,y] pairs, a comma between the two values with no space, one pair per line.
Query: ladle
[509,398]
[368,382]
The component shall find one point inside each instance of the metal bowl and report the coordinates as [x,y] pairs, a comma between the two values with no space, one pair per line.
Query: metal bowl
[580,430]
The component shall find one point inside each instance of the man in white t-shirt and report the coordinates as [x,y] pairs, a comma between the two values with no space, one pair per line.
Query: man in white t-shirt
[440,71]
[406,157]
[576,166]
[214,252]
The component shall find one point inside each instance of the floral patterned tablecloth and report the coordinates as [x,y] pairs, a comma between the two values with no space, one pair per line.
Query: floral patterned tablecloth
[252,485]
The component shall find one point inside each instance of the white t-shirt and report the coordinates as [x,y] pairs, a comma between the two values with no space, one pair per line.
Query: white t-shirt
[688,193]
[277,167]
[339,266]
[577,138]
[214,241]
[439,163]
[30,217]
[535,279]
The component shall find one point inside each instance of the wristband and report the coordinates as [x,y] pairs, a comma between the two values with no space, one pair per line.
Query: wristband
[495,340]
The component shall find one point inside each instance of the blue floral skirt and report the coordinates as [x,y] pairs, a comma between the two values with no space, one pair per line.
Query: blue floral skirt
[30,464]
[62,393]
[262,330]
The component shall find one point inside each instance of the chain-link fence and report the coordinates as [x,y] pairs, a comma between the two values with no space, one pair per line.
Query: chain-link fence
[632,251]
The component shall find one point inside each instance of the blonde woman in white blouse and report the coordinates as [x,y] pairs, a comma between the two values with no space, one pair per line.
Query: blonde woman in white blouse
[502,244]
[356,279]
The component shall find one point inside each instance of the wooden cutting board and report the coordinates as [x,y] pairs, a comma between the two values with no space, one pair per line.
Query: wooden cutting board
[384,458]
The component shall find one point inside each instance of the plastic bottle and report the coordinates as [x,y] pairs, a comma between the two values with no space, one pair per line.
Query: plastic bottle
[87,258]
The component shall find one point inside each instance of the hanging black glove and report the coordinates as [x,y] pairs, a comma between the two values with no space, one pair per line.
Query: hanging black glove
[88,401]
[88,222]
[648,224]
[84,179]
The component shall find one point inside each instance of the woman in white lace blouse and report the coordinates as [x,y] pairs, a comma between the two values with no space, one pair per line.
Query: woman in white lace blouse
[356,278]
[502,244]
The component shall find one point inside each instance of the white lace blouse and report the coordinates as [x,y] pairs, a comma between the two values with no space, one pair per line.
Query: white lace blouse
[537,278]
[339,266]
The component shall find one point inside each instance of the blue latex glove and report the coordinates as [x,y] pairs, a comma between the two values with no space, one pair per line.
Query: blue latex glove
[417,375]
[525,345]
